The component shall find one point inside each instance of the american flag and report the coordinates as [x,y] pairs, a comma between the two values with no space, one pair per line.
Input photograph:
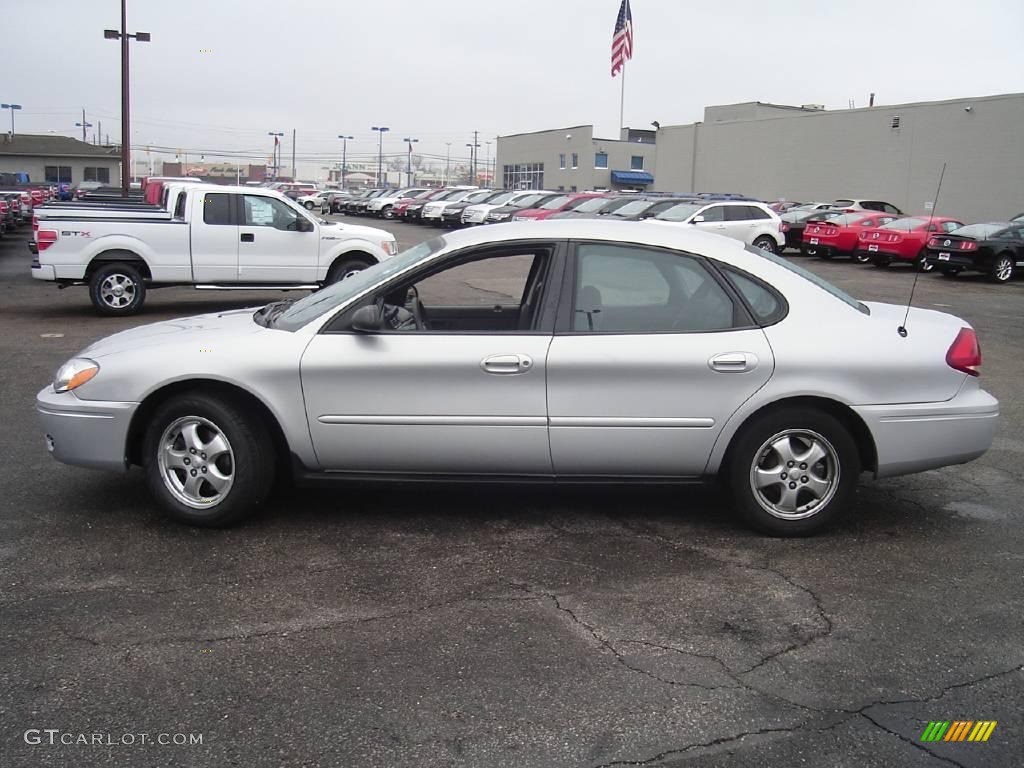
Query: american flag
[622,39]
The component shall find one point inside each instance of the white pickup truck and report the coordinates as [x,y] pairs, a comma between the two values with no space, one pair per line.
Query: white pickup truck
[215,237]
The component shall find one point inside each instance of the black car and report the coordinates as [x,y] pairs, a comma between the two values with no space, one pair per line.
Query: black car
[350,206]
[794,223]
[995,248]
[451,215]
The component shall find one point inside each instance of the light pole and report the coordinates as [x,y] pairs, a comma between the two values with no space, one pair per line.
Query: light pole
[344,164]
[472,161]
[381,130]
[11,107]
[277,150]
[408,161]
[447,161]
[126,136]
[487,164]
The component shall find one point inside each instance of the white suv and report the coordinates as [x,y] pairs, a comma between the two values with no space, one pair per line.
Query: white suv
[752,222]
[384,205]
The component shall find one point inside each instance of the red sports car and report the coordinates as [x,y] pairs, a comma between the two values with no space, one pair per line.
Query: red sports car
[839,235]
[902,240]
[564,202]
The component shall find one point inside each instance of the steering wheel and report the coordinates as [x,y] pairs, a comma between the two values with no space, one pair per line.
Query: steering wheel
[416,307]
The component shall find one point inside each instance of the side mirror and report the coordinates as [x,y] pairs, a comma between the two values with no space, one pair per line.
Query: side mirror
[368,319]
[697,220]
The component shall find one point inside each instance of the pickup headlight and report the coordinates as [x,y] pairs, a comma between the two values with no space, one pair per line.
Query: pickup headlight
[74,373]
[390,247]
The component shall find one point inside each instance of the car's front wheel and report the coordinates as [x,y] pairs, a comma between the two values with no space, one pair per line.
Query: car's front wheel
[117,289]
[208,462]
[309,205]
[792,471]
[388,212]
[766,243]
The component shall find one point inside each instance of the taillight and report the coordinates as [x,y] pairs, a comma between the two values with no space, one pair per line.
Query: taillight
[968,245]
[965,353]
[933,243]
[45,238]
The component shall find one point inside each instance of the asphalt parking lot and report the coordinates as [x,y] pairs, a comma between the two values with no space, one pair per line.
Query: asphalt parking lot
[505,626]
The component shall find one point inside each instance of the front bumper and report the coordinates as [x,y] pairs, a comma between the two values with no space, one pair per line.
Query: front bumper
[86,433]
[914,437]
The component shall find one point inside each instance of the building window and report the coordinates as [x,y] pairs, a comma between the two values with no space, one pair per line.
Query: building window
[575,160]
[523,176]
[895,124]
[97,174]
[59,174]
[601,160]
[636,163]
[561,161]
[561,188]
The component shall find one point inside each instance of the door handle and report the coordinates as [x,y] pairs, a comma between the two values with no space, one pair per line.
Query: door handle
[248,237]
[733,362]
[506,364]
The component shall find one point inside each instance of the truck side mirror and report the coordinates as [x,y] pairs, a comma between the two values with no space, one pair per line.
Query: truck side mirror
[697,219]
[368,319]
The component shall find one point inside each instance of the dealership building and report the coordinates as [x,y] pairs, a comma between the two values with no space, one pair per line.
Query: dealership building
[894,153]
[58,159]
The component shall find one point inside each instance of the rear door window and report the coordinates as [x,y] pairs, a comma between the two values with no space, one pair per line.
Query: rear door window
[216,208]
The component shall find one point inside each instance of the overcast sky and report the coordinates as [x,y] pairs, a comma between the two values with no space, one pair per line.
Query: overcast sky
[441,69]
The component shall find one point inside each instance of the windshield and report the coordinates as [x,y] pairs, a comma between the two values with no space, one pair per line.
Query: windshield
[479,197]
[809,276]
[555,202]
[575,204]
[633,207]
[978,230]
[528,200]
[680,212]
[501,198]
[589,205]
[316,304]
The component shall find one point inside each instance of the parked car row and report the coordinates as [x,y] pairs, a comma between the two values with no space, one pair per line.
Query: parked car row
[926,242]
[16,207]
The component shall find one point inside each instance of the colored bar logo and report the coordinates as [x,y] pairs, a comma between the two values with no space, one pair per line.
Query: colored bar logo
[958,730]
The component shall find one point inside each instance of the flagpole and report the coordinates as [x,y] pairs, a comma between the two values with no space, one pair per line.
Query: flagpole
[622,98]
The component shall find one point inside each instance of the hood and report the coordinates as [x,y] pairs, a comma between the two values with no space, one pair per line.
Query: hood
[198,329]
[336,230]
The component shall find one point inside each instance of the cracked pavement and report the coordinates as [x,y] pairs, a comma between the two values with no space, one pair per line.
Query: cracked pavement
[503,625]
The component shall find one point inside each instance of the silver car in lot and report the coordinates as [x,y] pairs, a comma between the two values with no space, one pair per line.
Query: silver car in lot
[571,350]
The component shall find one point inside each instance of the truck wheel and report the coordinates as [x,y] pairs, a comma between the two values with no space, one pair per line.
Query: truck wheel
[117,289]
[343,268]
[207,461]
[792,471]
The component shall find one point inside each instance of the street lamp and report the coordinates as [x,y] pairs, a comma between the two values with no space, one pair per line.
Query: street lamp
[344,164]
[487,163]
[408,161]
[123,36]
[447,161]
[472,161]
[276,156]
[11,107]
[381,130]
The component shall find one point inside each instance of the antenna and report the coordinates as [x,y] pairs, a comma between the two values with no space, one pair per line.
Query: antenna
[902,329]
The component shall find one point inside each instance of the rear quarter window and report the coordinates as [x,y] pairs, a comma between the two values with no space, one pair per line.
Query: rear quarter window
[766,304]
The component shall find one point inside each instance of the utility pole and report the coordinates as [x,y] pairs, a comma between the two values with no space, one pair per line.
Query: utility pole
[83,125]
[487,165]
[447,161]
[295,172]
[126,136]
[381,130]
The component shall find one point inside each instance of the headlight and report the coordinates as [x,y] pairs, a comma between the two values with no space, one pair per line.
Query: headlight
[74,373]
[390,247]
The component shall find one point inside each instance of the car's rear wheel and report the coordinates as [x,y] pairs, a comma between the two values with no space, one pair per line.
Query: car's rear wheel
[388,212]
[309,205]
[208,462]
[950,272]
[345,268]
[766,244]
[792,471]
[117,289]
[881,261]
[1002,269]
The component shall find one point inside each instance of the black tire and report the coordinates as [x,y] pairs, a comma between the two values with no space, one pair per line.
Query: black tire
[346,266]
[309,205]
[1002,268]
[842,465]
[950,272]
[117,289]
[766,243]
[921,263]
[388,212]
[862,258]
[881,261]
[251,465]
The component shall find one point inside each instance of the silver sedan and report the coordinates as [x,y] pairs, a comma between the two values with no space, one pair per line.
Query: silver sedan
[558,350]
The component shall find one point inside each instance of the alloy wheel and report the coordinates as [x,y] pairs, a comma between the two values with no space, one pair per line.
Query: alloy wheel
[1003,269]
[196,462]
[794,474]
[117,290]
